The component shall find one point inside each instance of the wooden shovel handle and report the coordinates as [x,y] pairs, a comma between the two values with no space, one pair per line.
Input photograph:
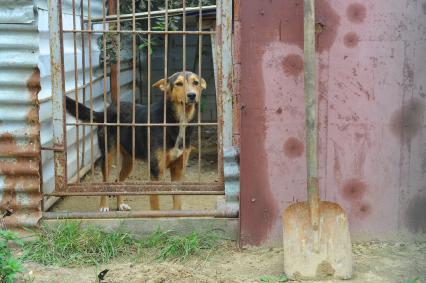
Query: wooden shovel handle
[310,110]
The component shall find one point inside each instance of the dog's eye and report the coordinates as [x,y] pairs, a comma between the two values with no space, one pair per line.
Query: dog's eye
[179,84]
[195,82]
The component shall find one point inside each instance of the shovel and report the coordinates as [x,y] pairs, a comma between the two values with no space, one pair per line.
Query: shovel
[316,237]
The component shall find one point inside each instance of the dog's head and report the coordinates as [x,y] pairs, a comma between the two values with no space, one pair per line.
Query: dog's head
[182,87]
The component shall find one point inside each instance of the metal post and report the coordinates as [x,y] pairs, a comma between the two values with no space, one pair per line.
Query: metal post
[58,90]
[224,57]
[225,43]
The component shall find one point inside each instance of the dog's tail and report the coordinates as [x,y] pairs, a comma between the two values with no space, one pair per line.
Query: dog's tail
[83,111]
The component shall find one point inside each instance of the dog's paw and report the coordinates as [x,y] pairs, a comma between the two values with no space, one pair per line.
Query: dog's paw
[124,207]
[104,209]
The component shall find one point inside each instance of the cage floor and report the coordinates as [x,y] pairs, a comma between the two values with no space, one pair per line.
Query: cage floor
[139,173]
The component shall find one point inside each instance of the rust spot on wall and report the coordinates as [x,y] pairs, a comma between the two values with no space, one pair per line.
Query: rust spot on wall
[351,40]
[415,215]
[408,73]
[291,25]
[293,65]
[330,21]
[7,144]
[293,148]
[32,116]
[362,210]
[353,189]
[407,121]
[356,13]
[33,84]
[337,170]
[8,197]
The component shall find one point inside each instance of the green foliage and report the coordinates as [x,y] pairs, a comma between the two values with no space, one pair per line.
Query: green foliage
[9,265]
[114,40]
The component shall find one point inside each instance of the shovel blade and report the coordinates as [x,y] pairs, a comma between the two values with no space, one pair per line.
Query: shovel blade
[331,257]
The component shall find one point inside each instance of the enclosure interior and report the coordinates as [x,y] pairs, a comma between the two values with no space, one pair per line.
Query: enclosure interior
[150,50]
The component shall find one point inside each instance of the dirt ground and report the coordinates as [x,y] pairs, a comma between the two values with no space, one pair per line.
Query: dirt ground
[208,173]
[374,262]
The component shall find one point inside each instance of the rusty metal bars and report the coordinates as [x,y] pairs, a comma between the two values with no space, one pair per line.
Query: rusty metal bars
[149,91]
[170,32]
[221,108]
[118,103]
[105,129]
[83,67]
[92,157]
[133,188]
[133,82]
[153,14]
[185,84]
[200,56]
[77,128]
[140,214]
[166,77]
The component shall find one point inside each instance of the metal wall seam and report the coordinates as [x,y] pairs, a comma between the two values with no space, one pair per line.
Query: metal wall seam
[19,114]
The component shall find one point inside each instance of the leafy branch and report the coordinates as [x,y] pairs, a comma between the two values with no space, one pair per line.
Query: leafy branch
[114,40]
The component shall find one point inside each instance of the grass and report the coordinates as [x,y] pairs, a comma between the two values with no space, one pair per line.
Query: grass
[180,247]
[411,281]
[273,279]
[71,244]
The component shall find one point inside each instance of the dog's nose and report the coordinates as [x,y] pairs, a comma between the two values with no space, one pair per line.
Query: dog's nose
[191,96]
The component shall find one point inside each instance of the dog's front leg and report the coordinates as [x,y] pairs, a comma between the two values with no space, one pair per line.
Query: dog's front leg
[177,173]
[104,205]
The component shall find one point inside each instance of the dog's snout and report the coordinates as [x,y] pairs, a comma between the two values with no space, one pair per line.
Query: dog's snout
[191,96]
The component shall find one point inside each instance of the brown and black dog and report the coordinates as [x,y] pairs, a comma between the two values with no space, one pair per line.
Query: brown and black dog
[183,91]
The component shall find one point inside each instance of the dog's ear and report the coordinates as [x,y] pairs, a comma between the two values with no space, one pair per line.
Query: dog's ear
[203,83]
[161,84]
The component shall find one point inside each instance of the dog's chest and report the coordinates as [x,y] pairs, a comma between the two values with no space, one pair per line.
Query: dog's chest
[175,153]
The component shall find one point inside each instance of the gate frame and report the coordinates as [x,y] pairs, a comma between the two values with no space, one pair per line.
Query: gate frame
[227,152]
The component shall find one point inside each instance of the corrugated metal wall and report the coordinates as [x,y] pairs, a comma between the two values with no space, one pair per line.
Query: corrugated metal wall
[83,80]
[19,111]
[26,106]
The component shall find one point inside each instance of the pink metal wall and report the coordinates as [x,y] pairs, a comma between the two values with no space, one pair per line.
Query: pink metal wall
[371,94]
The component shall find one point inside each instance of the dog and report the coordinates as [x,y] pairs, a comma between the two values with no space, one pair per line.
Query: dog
[183,91]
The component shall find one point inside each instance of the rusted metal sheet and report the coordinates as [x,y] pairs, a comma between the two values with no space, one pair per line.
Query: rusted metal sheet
[371,58]
[19,122]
